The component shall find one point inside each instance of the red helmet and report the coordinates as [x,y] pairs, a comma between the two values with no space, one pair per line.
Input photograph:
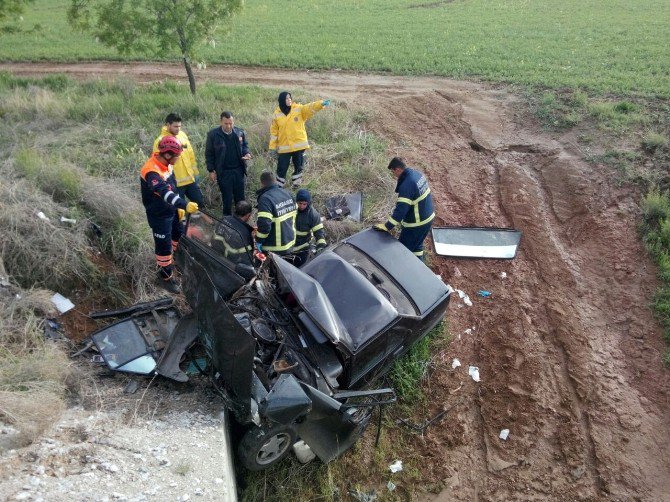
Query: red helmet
[170,144]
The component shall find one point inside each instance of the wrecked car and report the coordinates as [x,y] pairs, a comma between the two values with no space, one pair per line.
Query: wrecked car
[295,353]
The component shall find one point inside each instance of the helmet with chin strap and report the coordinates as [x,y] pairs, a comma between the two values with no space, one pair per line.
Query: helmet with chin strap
[170,144]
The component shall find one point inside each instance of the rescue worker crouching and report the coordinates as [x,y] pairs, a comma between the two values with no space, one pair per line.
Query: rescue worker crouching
[234,236]
[307,224]
[414,207]
[164,207]
[275,218]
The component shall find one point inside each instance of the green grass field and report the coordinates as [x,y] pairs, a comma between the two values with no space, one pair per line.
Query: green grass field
[615,46]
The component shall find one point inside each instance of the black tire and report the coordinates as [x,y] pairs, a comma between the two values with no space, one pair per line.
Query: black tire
[261,448]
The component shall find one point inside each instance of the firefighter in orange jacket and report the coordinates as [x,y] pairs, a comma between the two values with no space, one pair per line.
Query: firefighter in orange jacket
[164,207]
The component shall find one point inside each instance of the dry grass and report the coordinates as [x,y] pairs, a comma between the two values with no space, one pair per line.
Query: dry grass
[37,251]
[33,371]
[126,235]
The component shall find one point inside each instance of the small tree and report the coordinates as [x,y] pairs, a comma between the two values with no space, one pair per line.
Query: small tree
[153,27]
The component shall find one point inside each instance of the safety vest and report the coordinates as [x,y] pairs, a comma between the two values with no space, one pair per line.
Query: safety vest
[158,195]
[275,219]
[186,168]
[287,132]
[414,206]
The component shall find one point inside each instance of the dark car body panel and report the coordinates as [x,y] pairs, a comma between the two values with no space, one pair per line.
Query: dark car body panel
[417,280]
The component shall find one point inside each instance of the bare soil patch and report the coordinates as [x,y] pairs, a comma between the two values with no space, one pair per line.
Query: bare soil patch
[568,349]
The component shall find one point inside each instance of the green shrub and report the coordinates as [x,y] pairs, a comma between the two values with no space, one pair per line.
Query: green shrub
[655,208]
[653,141]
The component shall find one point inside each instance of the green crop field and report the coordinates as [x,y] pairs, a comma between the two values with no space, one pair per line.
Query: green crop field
[604,46]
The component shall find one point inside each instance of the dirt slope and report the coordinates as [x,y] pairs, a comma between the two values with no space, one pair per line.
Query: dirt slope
[568,350]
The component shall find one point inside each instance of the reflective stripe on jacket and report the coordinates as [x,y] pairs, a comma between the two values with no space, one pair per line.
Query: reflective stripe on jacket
[186,168]
[287,132]
[308,223]
[157,184]
[233,238]
[414,207]
[275,219]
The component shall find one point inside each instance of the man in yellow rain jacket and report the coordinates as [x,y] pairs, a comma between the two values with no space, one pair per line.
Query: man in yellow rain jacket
[186,169]
[288,136]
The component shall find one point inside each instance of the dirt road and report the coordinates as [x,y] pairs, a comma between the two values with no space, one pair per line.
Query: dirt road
[568,350]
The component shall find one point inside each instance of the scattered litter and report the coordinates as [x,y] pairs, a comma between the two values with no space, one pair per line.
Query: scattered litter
[396,466]
[63,219]
[42,216]
[97,358]
[348,205]
[473,371]
[131,387]
[468,331]
[503,275]
[303,452]
[62,304]
[52,330]
[457,273]
[503,434]
[464,297]
[483,293]
[390,485]
[455,364]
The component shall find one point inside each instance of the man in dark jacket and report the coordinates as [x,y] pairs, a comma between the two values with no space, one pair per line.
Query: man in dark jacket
[275,218]
[164,207]
[226,155]
[234,236]
[307,224]
[414,208]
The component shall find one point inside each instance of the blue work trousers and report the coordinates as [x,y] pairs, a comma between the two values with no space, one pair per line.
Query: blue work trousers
[166,231]
[412,238]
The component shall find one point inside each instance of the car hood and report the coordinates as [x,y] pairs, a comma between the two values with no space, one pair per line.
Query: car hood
[313,299]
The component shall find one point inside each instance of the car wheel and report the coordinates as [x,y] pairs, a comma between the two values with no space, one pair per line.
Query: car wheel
[261,448]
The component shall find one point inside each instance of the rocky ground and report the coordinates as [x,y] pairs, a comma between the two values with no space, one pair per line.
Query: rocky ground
[162,444]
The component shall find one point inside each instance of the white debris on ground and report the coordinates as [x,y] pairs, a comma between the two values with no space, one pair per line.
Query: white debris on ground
[473,371]
[88,455]
[396,466]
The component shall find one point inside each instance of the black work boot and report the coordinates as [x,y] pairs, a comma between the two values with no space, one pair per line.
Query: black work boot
[171,284]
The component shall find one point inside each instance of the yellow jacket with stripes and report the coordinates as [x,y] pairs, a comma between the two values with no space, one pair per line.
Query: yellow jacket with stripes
[186,168]
[287,132]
